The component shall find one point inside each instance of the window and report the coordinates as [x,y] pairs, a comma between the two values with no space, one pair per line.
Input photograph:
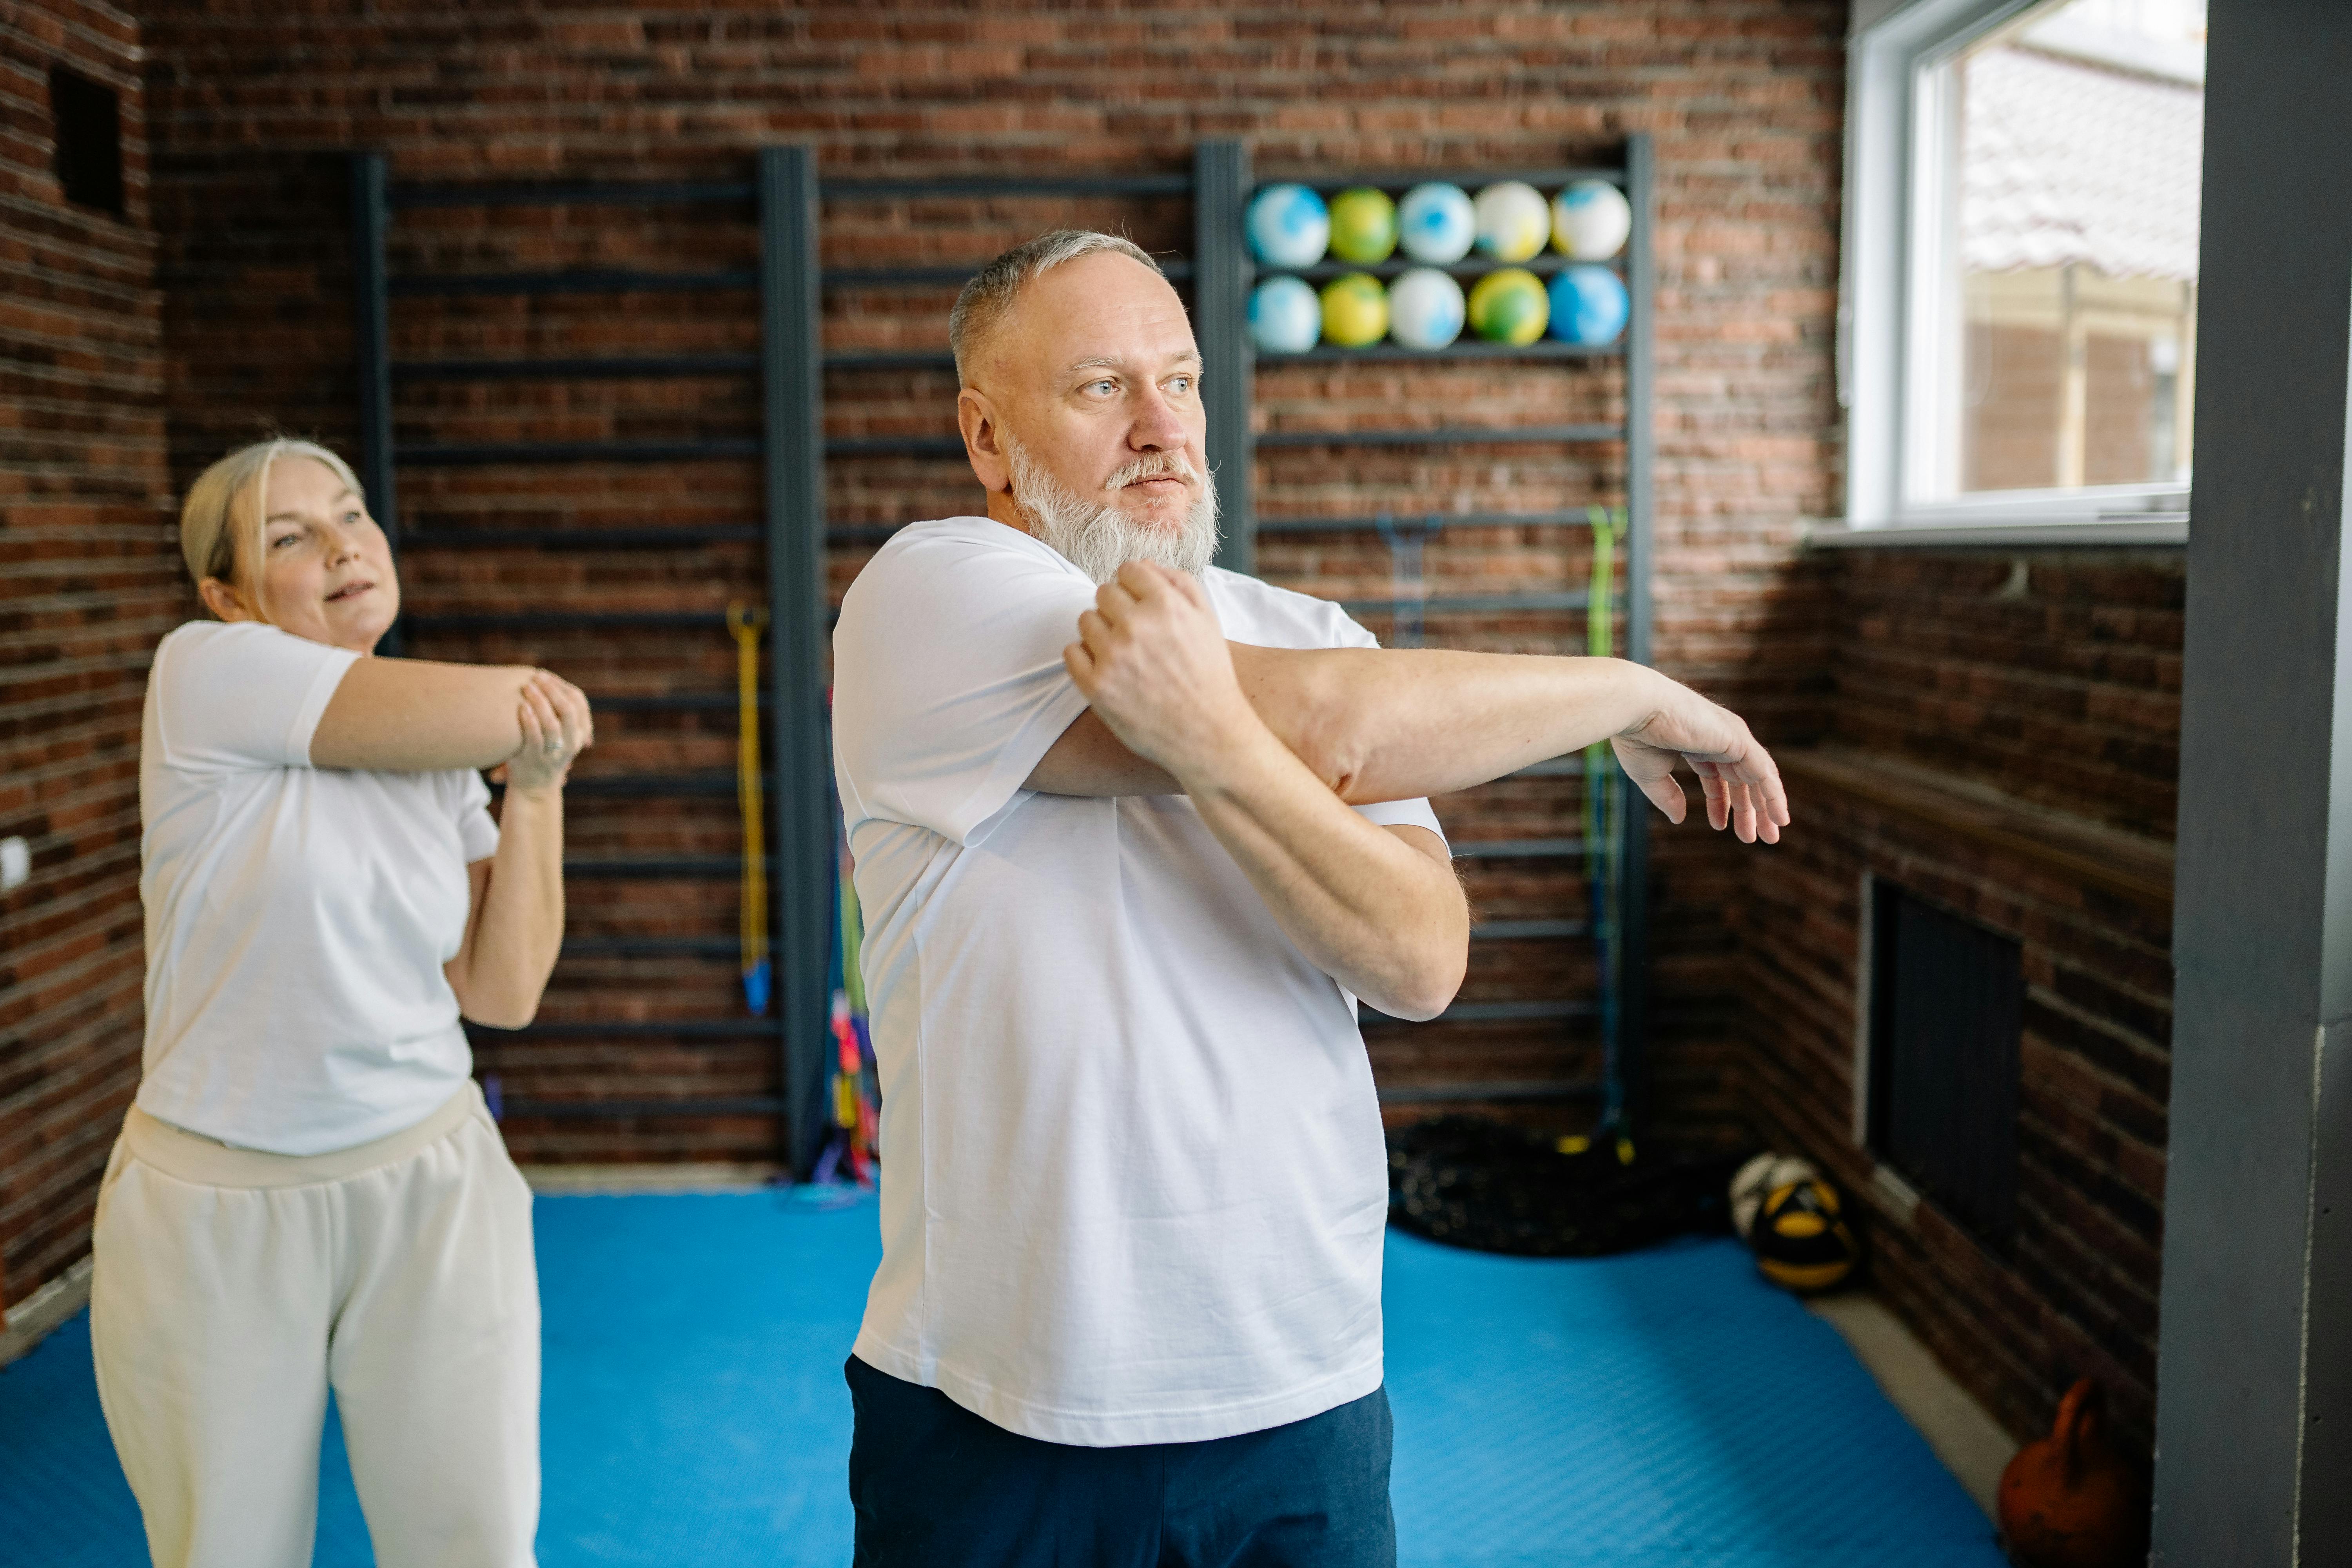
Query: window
[2019,318]
[1947,1001]
[87,119]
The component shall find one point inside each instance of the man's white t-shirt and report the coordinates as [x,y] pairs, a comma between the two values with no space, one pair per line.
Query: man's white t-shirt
[1133,1178]
[298,918]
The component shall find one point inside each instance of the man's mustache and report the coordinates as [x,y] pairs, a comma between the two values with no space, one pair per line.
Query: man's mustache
[1159,465]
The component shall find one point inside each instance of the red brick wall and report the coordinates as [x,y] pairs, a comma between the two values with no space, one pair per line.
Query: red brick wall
[2052,675]
[88,581]
[253,105]
[2038,694]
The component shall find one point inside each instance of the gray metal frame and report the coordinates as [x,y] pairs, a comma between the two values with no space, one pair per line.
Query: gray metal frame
[372,349]
[783,196]
[1624,1086]
[2254,1363]
[1641,455]
[800,748]
[1220,187]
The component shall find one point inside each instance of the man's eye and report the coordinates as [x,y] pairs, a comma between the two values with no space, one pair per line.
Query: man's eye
[1181,383]
[1105,385]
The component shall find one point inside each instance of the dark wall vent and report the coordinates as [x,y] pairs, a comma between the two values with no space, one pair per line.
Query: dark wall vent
[87,120]
[1946,996]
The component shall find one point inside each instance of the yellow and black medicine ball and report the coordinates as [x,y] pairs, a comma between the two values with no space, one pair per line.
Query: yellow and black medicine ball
[1801,1238]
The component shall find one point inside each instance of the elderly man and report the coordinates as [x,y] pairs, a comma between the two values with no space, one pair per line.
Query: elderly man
[1133,836]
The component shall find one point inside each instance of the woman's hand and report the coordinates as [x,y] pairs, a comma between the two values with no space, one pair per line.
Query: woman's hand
[556,727]
[1741,781]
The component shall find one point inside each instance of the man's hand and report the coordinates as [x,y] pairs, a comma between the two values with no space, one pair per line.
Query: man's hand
[1152,661]
[1740,780]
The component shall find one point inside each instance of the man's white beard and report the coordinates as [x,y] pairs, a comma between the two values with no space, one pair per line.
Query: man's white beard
[1099,539]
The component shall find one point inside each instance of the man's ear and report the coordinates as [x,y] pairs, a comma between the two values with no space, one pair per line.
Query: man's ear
[982,442]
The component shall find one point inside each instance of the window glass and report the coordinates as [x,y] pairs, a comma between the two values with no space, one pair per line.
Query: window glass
[2065,257]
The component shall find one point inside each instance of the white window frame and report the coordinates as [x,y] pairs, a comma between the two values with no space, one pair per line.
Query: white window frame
[1895,168]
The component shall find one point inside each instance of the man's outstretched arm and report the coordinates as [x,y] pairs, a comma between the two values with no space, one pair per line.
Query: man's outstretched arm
[1379,909]
[1393,724]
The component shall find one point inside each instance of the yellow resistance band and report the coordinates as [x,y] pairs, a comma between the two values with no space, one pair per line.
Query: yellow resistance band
[746,625]
[1600,640]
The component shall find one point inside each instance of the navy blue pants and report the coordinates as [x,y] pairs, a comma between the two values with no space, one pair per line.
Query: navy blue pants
[937,1487]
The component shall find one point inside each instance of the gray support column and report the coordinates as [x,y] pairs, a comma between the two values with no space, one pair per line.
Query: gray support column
[1633,945]
[2254,1414]
[794,446]
[1221,281]
[371,348]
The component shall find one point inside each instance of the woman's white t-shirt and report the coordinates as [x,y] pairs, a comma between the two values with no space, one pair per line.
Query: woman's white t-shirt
[1133,1180]
[298,918]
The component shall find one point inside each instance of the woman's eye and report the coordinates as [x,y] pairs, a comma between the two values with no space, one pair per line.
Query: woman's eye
[283,540]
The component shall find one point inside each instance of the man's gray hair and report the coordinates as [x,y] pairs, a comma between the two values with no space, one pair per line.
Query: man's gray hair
[987,297]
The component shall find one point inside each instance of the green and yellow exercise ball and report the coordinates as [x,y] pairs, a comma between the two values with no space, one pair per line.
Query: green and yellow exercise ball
[1363,226]
[1356,310]
[1508,306]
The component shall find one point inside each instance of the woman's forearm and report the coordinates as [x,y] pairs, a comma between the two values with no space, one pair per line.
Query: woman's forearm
[406,715]
[519,927]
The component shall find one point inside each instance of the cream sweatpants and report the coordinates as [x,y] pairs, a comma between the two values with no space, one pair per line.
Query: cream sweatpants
[232,1288]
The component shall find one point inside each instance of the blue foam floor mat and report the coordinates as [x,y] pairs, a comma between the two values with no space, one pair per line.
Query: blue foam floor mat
[1662,1410]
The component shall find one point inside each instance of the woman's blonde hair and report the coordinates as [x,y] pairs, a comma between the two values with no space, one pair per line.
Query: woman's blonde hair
[226,503]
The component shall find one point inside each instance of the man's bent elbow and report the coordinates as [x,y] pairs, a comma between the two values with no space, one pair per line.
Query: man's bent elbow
[1331,755]
[514,1011]
[1429,989]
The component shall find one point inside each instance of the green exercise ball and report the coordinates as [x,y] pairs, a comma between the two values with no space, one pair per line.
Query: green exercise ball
[1507,306]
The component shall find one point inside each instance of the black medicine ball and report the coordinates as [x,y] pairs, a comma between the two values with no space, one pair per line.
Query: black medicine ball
[1801,1238]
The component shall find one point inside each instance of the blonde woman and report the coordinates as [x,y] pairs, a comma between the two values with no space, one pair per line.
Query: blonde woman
[308,1193]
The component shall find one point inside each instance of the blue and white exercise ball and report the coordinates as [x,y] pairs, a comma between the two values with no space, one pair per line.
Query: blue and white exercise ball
[1590,221]
[1435,224]
[1284,317]
[1512,221]
[1426,310]
[1288,226]
[1589,305]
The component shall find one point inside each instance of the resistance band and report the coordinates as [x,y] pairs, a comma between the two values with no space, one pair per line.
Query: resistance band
[850,1091]
[752,920]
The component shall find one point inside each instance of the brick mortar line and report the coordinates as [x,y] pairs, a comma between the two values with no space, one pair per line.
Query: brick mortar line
[85,378]
[127,1025]
[128,990]
[94,923]
[99,8]
[78,1156]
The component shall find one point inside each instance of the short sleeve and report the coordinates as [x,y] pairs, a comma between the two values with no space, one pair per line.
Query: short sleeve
[1414,813]
[478,831]
[948,686]
[242,694]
